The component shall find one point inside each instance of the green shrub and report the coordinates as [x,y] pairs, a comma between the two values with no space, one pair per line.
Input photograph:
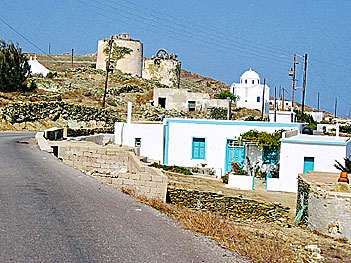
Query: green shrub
[226,94]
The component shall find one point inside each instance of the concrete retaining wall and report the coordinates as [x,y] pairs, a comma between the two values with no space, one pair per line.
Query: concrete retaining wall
[120,168]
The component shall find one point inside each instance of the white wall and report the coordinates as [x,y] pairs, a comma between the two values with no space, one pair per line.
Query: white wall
[151,135]
[248,96]
[282,116]
[216,134]
[292,161]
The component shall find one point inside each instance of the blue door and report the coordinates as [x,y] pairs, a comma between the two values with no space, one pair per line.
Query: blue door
[308,164]
[234,153]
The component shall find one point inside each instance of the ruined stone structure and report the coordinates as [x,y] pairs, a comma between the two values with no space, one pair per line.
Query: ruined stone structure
[131,63]
[163,67]
[325,204]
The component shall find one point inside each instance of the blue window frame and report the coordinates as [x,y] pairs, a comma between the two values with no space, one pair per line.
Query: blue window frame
[245,81]
[198,148]
[253,81]
[258,99]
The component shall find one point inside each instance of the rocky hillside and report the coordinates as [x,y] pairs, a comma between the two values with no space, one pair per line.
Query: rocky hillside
[83,85]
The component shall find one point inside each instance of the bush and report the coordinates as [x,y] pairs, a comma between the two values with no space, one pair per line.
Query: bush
[14,68]
[226,94]
[174,169]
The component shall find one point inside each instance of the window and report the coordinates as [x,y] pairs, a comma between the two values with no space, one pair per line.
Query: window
[308,164]
[253,82]
[245,81]
[191,105]
[198,148]
[258,81]
[270,155]
[137,142]
[258,99]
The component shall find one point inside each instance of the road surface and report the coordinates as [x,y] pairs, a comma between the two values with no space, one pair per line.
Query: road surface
[50,212]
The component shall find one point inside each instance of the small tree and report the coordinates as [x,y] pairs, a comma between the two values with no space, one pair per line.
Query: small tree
[343,168]
[14,68]
[117,52]
[226,94]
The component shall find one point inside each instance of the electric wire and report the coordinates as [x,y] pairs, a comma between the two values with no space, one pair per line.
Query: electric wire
[25,38]
[252,43]
[185,29]
[201,40]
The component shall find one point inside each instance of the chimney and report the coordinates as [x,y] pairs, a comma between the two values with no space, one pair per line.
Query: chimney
[129,112]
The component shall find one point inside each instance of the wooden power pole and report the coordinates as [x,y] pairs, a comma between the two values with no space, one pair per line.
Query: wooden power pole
[275,104]
[283,99]
[293,90]
[72,57]
[304,89]
[107,69]
[264,86]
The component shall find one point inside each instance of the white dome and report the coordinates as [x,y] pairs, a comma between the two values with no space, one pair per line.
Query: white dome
[250,75]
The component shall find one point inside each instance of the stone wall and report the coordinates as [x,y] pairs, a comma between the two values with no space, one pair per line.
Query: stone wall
[117,166]
[327,211]
[33,111]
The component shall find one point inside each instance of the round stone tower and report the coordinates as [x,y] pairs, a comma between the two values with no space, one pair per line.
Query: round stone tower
[131,63]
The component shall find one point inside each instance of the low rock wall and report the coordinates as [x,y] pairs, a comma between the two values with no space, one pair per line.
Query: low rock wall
[33,111]
[118,167]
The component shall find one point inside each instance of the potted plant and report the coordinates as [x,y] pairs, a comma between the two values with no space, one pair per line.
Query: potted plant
[345,170]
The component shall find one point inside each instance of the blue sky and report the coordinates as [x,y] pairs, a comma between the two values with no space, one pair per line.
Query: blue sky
[219,39]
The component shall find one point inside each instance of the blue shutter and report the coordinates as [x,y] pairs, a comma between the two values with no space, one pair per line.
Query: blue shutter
[198,148]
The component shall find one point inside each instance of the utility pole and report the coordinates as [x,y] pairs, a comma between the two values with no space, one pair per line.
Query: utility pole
[336,105]
[293,89]
[107,70]
[283,99]
[318,101]
[72,57]
[264,86]
[49,49]
[275,104]
[304,89]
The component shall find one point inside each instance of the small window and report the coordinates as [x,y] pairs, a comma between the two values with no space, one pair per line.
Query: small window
[253,82]
[245,81]
[258,81]
[286,104]
[199,148]
[270,155]
[162,102]
[258,99]
[191,105]
[137,142]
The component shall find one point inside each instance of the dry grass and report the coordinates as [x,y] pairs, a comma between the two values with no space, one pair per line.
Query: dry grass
[255,245]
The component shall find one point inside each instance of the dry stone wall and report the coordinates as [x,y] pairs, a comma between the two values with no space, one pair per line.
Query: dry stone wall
[118,167]
[33,111]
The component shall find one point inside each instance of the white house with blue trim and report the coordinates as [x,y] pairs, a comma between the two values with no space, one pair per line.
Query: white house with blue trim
[192,142]
[302,153]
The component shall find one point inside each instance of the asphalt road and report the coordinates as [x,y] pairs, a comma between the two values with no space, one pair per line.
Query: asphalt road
[50,212]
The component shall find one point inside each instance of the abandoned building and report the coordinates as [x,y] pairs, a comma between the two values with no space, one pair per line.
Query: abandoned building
[163,67]
[184,100]
[131,63]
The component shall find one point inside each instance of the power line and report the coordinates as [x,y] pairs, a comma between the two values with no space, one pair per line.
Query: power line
[2,20]
[252,43]
[327,85]
[203,40]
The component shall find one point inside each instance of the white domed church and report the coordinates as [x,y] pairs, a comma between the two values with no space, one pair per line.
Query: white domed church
[250,91]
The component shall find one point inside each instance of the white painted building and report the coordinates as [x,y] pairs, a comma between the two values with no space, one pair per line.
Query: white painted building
[281,116]
[279,102]
[302,153]
[193,142]
[250,92]
[36,67]
[316,115]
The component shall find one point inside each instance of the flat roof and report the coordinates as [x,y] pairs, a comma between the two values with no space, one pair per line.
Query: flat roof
[235,122]
[317,139]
